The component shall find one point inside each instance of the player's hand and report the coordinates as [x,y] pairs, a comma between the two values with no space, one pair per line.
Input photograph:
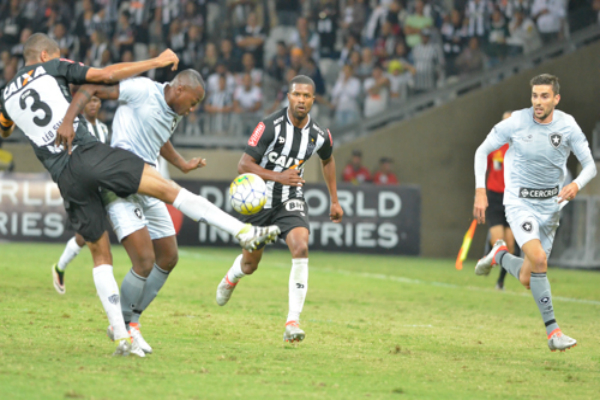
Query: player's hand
[291,177]
[480,205]
[65,135]
[568,193]
[336,212]
[193,164]
[167,58]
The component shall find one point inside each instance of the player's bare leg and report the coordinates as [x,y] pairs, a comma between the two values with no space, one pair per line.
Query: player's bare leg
[297,241]
[108,291]
[199,209]
[244,264]
[531,272]
[72,249]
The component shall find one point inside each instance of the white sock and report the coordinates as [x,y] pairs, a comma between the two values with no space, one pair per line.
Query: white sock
[235,273]
[298,286]
[108,291]
[71,251]
[199,209]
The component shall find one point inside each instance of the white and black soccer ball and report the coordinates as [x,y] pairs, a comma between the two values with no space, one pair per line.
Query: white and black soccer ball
[248,194]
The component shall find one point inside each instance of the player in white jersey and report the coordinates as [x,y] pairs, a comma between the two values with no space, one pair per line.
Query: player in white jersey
[541,139]
[76,243]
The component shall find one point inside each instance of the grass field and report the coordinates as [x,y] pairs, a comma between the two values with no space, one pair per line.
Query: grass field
[377,328]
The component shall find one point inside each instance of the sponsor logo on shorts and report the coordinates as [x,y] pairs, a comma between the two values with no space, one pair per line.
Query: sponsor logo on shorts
[527,226]
[294,205]
[555,140]
[545,300]
[138,213]
[258,131]
[114,299]
[527,193]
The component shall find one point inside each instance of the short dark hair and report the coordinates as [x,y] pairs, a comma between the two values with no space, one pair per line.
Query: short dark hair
[546,79]
[37,43]
[189,77]
[304,80]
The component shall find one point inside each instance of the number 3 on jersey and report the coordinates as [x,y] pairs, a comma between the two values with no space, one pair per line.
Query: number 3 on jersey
[35,106]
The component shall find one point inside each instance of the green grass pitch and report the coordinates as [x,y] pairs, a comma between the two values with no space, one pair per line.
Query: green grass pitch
[377,328]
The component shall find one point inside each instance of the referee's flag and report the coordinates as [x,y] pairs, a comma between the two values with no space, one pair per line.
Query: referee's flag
[466,245]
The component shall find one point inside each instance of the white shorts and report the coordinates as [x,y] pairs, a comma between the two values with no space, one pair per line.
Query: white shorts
[137,212]
[527,224]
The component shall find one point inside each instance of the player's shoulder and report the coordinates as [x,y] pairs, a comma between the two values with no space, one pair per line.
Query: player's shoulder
[278,117]
[564,118]
[140,81]
[315,127]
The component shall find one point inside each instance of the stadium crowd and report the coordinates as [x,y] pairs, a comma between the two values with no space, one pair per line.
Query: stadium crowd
[361,53]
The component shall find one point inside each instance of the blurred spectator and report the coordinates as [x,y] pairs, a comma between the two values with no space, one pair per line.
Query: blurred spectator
[99,45]
[354,17]
[596,9]
[248,67]
[251,38]
[281,99]
[17,50]
[312,70]
[209,62]
[296,57]
[384,175]
[193,51]
[415,23]
[192,125]
[287,11]
[213,81]
[106,58]
[67,43]
[550,17]
[219,105]
[247,102]
[472,58]
[279,62]
[124,37]
[478,13]
[524,37]
[191,17]
[454,35]
[385,44]
[84,27]
[239,10]
[344,97]
[9,72]
[169,11]
[496,47]
[354,171]
[176,39]
[354,61]
[157,74]
[326,21]
[367,62]
[428,59]
[127,56]
[401,75]
[377,91]
[303,37]
[350,46]
[228,56]
[11,23]
[396,16]
[374,24]
[510,7]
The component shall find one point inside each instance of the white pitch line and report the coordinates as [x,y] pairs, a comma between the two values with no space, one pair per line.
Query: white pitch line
[394,278]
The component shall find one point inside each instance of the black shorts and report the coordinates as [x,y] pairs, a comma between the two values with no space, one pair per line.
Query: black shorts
[90,168]
[287,216]
[495,214]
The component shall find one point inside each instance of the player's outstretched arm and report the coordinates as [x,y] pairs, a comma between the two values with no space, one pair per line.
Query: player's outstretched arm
[289,177]
[336,211]
[117,72]
[168,152]
[65,132]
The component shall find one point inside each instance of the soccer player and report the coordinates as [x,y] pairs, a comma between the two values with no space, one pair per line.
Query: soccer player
[494,214]
[76,243]
[540,138]
[277,152]
[143,123]
[38,100]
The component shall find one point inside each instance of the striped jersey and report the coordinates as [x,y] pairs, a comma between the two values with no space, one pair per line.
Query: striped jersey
[277,145]
[99,130]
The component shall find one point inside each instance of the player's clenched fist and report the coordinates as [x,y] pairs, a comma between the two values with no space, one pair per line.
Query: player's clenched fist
[167,58]
[291,177]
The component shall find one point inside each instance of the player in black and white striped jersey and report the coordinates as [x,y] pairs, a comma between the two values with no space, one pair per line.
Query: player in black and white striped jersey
[277,151]
[76,243]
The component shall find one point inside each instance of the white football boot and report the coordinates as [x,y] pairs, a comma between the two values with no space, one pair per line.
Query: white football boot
[225,290]
[484,266]
[559,341]
[293,333]
[135,347]
[136,335]
[123,348]
[252,236]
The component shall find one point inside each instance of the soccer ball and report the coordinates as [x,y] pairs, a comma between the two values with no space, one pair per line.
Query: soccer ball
[248,194]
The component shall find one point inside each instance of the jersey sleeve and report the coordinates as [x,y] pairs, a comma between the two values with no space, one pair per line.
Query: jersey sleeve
[327,149]
[134,91]
[259,141]
[580,147]
[499,136]
[74,72]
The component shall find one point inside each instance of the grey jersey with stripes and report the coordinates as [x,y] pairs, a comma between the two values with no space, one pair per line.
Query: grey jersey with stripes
[535,160]
[277,145]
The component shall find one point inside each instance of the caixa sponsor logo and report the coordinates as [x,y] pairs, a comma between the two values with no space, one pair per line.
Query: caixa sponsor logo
[283,161]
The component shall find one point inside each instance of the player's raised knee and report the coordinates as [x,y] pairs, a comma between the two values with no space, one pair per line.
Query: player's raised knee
[299,250]
[540,263]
